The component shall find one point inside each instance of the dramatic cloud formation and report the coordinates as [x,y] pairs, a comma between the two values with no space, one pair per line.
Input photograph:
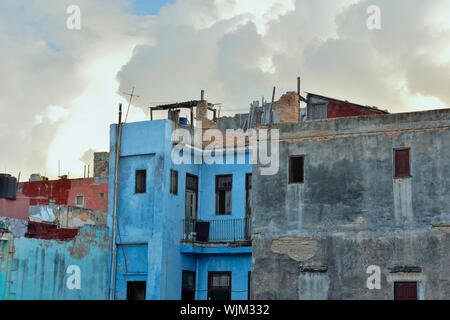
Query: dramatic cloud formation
[47,69]
[60,88]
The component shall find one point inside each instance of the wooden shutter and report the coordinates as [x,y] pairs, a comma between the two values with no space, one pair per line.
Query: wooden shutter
[402,168]
[405,291]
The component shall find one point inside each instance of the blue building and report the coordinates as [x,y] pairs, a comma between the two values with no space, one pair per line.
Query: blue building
[183,230]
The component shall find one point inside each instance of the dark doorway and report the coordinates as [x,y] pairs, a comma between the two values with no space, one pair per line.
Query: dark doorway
[188,286]
[191,196]
[405,290]
[136,290]
[219,285]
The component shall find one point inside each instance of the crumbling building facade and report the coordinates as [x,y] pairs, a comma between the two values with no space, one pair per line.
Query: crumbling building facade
[359,209]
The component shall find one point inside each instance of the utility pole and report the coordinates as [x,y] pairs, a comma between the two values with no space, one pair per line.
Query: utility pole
[112,284]
[129,102]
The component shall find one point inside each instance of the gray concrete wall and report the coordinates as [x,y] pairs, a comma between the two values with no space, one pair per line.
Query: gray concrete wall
[315,240]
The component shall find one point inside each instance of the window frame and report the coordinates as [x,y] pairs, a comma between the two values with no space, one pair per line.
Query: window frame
[131,283]
[394,283]
[217,189]
[399,176]
[195,190]
[291,175]
[136,191]
[248,189]
[183,289]
[211,289]
[76,200]
[174,189]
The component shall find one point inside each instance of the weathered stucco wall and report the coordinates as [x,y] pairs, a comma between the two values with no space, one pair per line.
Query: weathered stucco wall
[150,224]
[350,212]
[35,269]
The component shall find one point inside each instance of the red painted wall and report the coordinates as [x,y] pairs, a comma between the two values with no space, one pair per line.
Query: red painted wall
[339,110]
[64,192]
[48,231]
[39,192]
[91,192]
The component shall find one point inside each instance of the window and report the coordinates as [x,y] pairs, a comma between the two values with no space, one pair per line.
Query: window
[136,290]
[101,195]
[79,201]
[141,176]
[174,182]
[223,194]
[405,290]
[296,172]
[219,285]
[191,196]
[188,285]
[402,167]
[248,189]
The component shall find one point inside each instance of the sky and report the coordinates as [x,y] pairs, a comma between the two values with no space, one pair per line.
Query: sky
[61,87]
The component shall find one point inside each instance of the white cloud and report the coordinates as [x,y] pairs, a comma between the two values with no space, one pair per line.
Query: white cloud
[59,87]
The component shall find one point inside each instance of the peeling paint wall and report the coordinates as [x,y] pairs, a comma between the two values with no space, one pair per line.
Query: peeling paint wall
[35,269]
[353,207]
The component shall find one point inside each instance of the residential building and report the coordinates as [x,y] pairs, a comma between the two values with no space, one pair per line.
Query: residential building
[359,209]
[53,237]
[183,230]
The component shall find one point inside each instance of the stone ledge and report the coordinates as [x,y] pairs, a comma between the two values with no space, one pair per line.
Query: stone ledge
[313,268]
[397,269]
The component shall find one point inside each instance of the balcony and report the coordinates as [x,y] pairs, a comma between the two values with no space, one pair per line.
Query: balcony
[223,230]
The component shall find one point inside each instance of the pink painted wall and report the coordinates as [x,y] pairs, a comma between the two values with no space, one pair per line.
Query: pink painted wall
[14,208]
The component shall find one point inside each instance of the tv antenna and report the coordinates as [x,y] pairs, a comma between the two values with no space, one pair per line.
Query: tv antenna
[129,102]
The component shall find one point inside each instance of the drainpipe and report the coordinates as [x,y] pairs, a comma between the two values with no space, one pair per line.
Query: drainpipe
[112,284]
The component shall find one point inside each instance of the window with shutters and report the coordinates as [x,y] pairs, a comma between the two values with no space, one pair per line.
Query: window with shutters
[402,163]
[174,182]
[296,169]
[140,182]
[224,184]
[405,290]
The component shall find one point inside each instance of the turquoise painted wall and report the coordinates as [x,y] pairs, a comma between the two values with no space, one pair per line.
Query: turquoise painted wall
[239,265]
[153,220]
[37,269]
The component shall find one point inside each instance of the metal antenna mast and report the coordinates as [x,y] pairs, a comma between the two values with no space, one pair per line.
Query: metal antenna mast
[129,102]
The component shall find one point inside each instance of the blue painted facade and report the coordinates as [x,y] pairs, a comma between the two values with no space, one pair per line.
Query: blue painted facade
[36,269]
[150,224]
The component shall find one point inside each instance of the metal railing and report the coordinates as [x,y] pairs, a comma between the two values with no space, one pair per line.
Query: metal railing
[220,230]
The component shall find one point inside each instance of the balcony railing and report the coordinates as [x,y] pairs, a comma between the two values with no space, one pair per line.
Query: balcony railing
[221,230]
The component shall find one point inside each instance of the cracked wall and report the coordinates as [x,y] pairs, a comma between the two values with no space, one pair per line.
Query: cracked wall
[354,209]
